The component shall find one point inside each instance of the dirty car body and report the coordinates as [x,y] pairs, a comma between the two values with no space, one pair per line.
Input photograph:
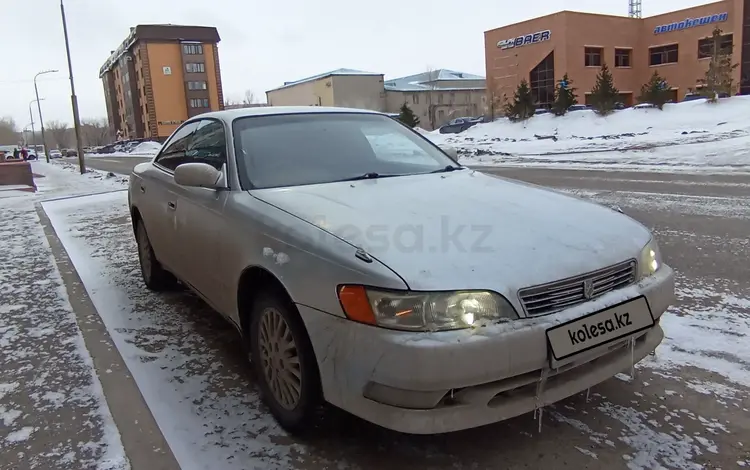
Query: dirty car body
[400,286]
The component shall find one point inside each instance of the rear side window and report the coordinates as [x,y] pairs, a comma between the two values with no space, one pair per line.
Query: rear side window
[174,153]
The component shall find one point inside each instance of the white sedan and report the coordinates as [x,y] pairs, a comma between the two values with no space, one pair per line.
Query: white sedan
[364,267]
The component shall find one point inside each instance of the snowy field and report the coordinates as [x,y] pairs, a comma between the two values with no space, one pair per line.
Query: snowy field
[687,405]
[694,136]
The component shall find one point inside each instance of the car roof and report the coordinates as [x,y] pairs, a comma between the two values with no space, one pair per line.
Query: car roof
[230,115]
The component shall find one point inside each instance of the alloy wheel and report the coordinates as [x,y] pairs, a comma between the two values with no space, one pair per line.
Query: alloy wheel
[280,359]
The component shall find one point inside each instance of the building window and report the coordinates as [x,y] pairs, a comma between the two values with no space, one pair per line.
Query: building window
[663,55]
[198,67]
[440,98]
[192,49]
[197,86]
[706,45]
[199,102]
[593,57]
[622,57]
[542,82]
[415,98]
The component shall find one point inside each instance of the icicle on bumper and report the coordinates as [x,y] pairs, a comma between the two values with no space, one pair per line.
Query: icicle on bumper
[539,401]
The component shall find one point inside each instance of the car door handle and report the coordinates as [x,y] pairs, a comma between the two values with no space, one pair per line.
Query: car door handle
[143,189]
[171,205]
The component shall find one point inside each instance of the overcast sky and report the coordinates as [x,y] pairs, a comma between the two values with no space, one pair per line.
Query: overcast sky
[262,43]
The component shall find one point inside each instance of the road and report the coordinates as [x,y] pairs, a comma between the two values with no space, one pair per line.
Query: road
[687,407]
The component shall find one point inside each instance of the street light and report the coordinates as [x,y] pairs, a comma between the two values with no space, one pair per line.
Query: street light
[31,115]
[39,107]
[73,98]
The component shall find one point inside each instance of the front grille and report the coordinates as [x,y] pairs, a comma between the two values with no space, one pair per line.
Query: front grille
[559,295]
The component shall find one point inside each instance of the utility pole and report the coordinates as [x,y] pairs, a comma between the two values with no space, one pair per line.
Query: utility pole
[33,137]
[39,108]
[73,98]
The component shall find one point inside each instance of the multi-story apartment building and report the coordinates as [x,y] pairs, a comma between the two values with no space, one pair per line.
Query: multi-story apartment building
[160,76]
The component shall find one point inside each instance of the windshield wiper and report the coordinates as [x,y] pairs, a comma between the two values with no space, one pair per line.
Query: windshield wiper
[371,175]
[447,169]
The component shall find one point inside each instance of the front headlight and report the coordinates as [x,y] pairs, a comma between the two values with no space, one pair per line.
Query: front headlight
[650,260]
[425,311]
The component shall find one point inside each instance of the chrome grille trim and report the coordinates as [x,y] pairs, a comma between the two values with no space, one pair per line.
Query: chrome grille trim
[558,295]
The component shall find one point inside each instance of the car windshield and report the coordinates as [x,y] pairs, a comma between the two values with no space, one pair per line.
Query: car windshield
[298,149]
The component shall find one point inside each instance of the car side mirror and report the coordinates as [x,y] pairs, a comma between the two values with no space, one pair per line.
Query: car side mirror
[200,175]
[450,151]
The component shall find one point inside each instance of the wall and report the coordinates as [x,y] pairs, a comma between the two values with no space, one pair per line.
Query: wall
[572,32]
[689,68]
[312,93]
[168,90]
[358,91]
[454,104]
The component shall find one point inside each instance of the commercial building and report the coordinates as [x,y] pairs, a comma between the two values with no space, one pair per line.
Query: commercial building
[347,88]
[674,44]
[160,76]
[435,96]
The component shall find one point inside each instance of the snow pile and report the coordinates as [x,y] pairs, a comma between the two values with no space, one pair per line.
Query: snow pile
[719,134]
[146,148]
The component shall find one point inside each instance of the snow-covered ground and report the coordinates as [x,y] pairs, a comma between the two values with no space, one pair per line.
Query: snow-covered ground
[686,405]
[690,136]
[144,149]
[188,364]
[52,410]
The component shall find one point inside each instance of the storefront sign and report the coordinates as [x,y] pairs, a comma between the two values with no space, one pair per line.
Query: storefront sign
[691,23]
[524,40]
[169,123]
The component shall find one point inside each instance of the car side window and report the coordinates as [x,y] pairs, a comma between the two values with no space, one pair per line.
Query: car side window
[208,144]
[174,153]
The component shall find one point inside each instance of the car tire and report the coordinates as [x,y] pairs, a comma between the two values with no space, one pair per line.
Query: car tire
[154,275]
[284,363]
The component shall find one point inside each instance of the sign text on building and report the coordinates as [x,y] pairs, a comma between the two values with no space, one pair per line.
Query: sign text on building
[511,43]
[691,23]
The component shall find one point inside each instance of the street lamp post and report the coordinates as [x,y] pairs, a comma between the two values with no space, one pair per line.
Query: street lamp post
[73,98]
[33,132]
[39,108]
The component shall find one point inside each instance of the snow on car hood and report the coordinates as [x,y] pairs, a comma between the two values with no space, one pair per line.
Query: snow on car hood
[466,229]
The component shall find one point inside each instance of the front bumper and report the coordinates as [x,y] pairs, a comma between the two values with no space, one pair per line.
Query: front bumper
[427,383]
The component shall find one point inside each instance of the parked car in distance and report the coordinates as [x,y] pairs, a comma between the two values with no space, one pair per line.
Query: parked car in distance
[542,111]
[579,107]
[458,125]
[54,153]
[288,222]
[70,152]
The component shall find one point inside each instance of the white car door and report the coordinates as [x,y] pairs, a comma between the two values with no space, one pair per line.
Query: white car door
[160,192]
[199,217]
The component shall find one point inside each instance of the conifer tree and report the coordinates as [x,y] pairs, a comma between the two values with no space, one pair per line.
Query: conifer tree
[718,79]
[407,116]
[655,91]
[522,106]
[565,96]
[604,95]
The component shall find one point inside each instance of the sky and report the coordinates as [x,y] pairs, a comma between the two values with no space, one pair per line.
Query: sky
[263,43]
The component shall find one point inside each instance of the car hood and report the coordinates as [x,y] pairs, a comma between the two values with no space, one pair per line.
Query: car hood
[466,229]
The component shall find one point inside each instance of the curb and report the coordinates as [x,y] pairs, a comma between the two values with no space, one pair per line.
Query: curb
[144,444]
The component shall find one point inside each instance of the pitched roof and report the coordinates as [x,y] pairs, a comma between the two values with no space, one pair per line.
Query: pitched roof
[324,75]
[420,81]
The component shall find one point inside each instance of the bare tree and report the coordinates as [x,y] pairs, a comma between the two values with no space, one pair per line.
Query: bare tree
[432,102]
[249,97]
[60,133]
[8,133]
[95,132]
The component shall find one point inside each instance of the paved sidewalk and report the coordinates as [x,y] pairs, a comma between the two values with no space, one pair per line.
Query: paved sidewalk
[56,366]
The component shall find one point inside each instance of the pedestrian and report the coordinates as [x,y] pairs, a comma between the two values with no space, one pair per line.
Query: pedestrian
[24,154]
[16,153]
